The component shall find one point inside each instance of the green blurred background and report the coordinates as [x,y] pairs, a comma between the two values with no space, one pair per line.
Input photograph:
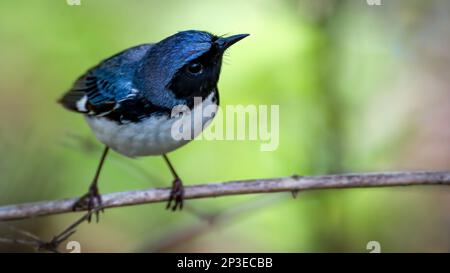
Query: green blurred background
[361,88]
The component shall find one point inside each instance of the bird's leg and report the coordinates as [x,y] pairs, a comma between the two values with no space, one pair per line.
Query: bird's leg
[92,199]
[177,192]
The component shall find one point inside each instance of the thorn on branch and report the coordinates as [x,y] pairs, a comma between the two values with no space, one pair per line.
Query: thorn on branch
[296,176]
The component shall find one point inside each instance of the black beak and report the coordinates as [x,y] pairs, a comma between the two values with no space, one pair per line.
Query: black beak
[225,42]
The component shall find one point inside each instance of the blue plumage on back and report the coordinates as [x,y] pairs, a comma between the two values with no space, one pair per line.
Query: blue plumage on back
[114,77]
[107,84]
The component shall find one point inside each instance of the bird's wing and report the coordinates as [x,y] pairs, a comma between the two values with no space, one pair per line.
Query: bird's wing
[102,88]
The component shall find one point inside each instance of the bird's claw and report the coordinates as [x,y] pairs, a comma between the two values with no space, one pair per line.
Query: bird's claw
[176,194]
[91,201]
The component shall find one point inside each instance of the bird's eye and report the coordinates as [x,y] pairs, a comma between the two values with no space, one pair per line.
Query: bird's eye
[195,68]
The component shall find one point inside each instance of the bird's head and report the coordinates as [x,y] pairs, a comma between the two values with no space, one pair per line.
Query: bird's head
[185,65]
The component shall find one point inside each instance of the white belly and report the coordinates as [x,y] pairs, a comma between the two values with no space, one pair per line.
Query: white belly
[152,136]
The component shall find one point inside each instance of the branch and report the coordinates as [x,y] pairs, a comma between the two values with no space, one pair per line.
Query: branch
[283,184]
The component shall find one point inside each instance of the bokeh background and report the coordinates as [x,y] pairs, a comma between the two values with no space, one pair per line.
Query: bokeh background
[361,88]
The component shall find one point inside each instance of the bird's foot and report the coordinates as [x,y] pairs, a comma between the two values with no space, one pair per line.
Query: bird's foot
[91,201]
[176,194]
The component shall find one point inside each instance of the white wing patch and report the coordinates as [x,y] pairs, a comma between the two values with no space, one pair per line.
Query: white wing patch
[81,104]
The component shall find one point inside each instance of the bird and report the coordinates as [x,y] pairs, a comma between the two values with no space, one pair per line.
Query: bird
[128,100]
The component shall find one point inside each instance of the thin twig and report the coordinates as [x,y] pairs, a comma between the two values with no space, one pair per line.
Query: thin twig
[41,245]
[283,184]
